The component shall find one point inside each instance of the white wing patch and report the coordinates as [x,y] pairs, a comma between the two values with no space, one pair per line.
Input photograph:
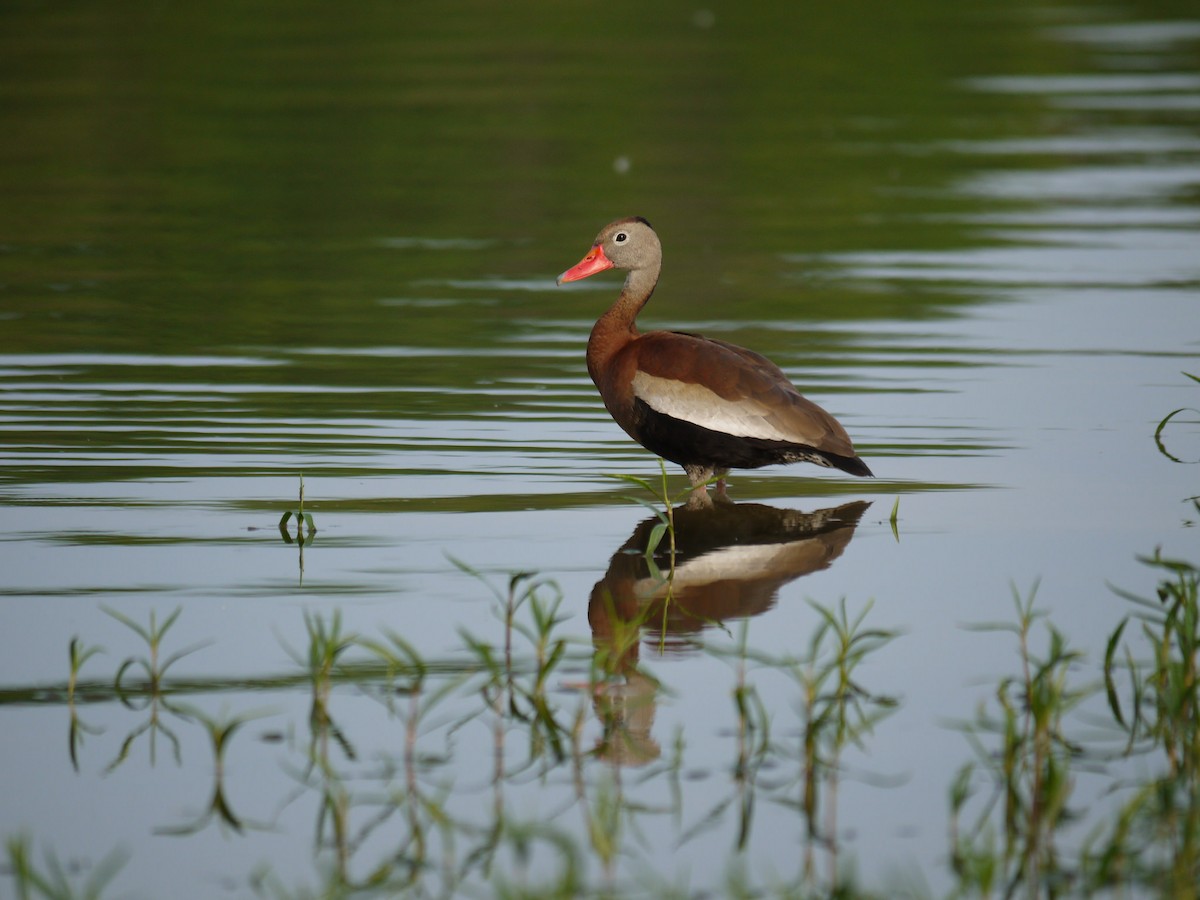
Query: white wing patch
[697,404]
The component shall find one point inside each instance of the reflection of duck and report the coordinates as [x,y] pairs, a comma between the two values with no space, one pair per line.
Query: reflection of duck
[704,404]
[730,562]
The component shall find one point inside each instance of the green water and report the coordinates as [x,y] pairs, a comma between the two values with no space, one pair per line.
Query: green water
[217,178]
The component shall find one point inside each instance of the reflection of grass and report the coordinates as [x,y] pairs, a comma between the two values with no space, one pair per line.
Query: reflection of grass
[149,689]
[1155,841]
[800,768]
[303,518]
[1166,420]
[1152,842]
[525,700]
[153,666]
[56,881]
[663,508]
[406,819]
[220,732]
[1030,773]
[79,654]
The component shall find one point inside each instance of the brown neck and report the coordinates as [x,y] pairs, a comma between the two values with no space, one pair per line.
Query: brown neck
[617,327]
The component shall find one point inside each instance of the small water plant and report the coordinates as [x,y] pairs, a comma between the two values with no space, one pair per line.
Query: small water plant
[55,880]
[1154,697]
[1028,778]
[524,699]
[326,645]
[220,731]
[303,519]
[1027,763]
[150,688]
[755,750]
[1167,419]
[78,654]
[663,507]
[394,812]
[835,711]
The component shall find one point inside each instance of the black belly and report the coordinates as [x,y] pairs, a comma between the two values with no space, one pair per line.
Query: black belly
[689,444]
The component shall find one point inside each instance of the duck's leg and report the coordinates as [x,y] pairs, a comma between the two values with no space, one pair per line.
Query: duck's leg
[721,473]
[699,477]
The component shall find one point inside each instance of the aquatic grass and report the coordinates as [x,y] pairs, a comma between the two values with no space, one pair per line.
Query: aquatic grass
[753,747]
[408,674]
[611,805]
[78,654]
[220,731]
[424,812]
[549,649]
[1029,763]
[518,693]
[515,689]
[663,507]
[623,692]
[1163,691]
[326,645]
[524,700]
[56,881]
[601,814]
[320,661]
[1012,808]
[1167,419]
[851,708]
[752,739]
[529,842]
[835,711]
[303,519]
[664,510]
[614,652]
[154,667]
[1029,773]
[1155,841]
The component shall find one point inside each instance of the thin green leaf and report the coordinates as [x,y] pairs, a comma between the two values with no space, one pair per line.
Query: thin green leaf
[656,536]
[1162,448]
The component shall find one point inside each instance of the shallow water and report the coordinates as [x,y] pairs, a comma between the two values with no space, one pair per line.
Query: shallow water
[238,252]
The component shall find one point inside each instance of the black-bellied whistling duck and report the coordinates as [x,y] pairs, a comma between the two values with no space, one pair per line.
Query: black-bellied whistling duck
[704,404]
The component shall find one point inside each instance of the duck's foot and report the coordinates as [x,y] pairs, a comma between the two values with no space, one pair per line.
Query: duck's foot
[721,495]
[698,498]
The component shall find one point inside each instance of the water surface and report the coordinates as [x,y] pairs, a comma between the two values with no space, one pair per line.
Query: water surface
[240,250]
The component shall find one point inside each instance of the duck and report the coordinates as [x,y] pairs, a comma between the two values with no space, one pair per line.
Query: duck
[705,404]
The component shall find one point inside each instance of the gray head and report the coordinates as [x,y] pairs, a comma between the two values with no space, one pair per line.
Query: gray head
[629,244]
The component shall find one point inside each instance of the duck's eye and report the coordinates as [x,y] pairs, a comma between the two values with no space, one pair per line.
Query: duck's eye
[620,238]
